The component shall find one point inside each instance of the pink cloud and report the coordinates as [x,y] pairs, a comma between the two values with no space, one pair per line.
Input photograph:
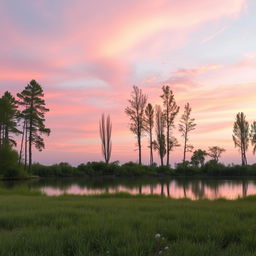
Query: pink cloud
[86,55]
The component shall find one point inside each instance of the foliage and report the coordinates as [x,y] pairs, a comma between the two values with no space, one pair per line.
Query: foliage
[159,144]
[241,135]
[186,125]
[215,153]
[149,124]
[31,98]
[9,167]
[130,169]
[170,111]
[105,136]
[8,120]
[136,112]
[253,136]
[198,158]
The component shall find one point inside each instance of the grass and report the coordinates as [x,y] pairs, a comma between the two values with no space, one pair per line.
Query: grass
[123,225]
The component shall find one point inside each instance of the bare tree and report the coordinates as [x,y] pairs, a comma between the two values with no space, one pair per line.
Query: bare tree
[186,125]
[241,135]
[105,135]
[159,143]
[253,136]
[136,113]
[149,124]
[170,111]
[215,153]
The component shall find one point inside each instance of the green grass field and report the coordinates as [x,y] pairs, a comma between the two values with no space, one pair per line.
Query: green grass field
[125,225]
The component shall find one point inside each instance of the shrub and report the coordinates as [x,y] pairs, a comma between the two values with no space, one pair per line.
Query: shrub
[9,167]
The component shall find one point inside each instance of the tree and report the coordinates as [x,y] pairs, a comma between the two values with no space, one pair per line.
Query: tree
[253,136]
[105,135]
[159,143]
[8,119]
[241,135]
[8,162]
[24,139]
[149,124]
[173,143]
[136,114]
[186,125]
[31,98]
[198,158]
[215,153]
[170,111]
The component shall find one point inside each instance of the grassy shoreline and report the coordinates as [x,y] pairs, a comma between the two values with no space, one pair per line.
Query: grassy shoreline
[33,224]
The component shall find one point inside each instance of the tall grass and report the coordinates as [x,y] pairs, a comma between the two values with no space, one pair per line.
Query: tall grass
[125,225]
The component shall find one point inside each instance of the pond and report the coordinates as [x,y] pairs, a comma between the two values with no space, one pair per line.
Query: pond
[191,188]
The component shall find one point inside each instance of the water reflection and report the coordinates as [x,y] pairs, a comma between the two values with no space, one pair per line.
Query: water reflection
[175,188]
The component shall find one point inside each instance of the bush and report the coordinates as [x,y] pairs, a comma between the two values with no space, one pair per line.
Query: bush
[185,169]
[131,169]
[9,167]
[214,168]
[14,172]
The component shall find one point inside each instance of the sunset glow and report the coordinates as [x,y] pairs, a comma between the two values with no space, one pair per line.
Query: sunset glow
[87,55]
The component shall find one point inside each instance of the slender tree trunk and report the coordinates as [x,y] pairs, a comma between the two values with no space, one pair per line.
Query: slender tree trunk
[151,147]
[139,145]
[162,189]
[243,154]
[167,144]
[167,133]
[245,159]
[6,135]
[185,144]
[22,141]
[185,149]
[30,145]
[162,160]
[26,145]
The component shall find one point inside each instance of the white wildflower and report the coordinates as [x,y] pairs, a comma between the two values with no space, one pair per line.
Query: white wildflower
[157,235]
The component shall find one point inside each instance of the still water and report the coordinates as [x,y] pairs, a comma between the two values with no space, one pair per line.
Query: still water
[175,188]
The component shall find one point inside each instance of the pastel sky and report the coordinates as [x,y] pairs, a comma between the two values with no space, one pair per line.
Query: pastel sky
[87,55]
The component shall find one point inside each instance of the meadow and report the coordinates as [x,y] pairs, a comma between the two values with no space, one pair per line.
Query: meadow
[34,224]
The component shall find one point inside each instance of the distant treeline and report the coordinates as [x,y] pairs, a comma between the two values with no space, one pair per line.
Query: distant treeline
[130,169]
[24,116]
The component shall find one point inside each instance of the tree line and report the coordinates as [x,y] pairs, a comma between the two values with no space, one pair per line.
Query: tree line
[144,118]
[158,123]
[22,116]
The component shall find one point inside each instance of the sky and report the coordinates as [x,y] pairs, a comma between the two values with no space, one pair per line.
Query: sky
[87,55]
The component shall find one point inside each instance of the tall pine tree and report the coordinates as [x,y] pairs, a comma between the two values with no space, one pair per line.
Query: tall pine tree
[34,114]
[8,120]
